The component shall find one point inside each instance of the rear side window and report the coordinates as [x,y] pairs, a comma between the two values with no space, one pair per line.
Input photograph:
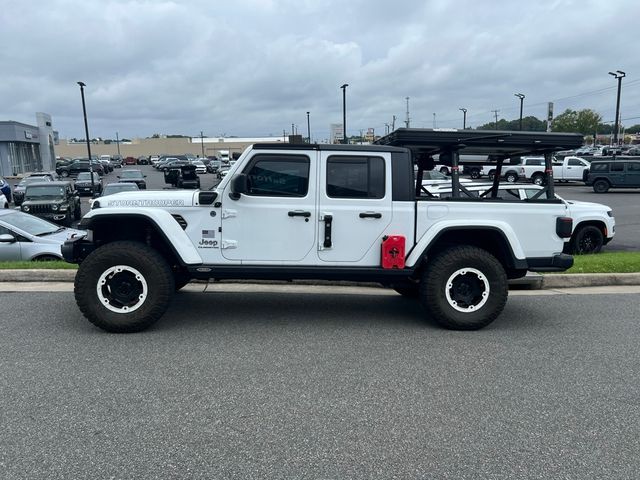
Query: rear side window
[600,167]
[633,167]
[617,167]
[278,175]
[355,177]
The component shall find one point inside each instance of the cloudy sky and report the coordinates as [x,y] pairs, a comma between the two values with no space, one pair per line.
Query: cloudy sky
[255,67]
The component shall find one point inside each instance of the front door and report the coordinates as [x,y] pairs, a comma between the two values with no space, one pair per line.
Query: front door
[275,221]
[9,251]
[355,207]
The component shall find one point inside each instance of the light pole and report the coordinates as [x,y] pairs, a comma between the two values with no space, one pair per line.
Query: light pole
[618,75]
[435,125]
[118,143]
[86,133]
[521,97]
[344,112]
[308,129]
[202,142]
[464,118]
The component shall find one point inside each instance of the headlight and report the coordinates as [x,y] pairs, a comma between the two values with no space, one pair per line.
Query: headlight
[63,208]
[95,204]
[54,207]
[25,208]
[610,213]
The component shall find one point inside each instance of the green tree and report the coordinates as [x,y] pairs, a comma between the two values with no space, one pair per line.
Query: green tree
[584,121]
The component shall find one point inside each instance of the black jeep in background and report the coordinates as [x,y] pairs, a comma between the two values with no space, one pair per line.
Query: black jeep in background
[54,201]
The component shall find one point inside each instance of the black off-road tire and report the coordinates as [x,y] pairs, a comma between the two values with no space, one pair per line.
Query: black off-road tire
[586,240]
[601,186]
[155,273]
[472,271]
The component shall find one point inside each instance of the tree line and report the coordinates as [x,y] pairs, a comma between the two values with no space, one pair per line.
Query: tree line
[586,122]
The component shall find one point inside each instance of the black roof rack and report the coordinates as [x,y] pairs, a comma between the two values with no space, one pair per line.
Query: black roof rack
[478,142]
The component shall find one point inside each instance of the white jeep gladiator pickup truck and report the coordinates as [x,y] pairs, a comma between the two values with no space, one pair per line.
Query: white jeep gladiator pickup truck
[333,212]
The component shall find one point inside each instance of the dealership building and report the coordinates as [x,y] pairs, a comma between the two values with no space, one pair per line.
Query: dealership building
[27,148]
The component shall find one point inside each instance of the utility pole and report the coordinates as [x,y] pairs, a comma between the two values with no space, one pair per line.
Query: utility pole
[407,122]
[202,142]
[393,123]
[118,143]
[435,125]
[619,75]
[521,97]
[344,112]
[496,114]
[464,118]
[308,129]
[386,129]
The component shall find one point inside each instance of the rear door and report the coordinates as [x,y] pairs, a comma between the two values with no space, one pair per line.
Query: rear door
[633,174]
[355,206]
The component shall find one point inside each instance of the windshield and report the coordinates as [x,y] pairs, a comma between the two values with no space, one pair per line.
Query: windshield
[122,187]
[35,191]
[29,180]
[30,224]
[84,176]
[131,174]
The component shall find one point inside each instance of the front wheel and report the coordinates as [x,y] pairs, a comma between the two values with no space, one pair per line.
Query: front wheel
[64,174]
[538,179]
[464,288]
[475,173]
[587,239]
[124,287]
[511,177]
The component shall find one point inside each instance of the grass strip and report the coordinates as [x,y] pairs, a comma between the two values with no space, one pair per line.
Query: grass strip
[609,262]
[54,265]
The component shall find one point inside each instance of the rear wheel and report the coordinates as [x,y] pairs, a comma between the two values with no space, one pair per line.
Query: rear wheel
[511,177]
[64,174]
[464,288]
[601,186]
[475,173]
[444,170]
[124,287]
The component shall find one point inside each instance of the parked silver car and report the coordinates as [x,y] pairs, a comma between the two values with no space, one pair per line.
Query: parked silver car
[26,237]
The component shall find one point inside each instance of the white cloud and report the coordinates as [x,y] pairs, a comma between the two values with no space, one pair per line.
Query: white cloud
[254,67]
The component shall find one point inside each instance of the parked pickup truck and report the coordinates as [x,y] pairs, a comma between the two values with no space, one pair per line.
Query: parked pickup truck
[569,169]
[332,212]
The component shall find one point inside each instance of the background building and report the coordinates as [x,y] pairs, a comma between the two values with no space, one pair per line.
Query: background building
[27,148]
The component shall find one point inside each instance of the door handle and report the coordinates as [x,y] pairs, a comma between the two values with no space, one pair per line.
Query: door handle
[299,213]
[370,215]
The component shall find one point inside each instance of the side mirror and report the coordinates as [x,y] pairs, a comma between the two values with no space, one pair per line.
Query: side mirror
[239,185]
[7,238]
[96,195]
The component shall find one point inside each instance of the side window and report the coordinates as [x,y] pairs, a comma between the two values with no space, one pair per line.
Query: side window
[600,167]
[574,162]
[355,177]
[278,175]
[5,231]
[633,167]
[617,167]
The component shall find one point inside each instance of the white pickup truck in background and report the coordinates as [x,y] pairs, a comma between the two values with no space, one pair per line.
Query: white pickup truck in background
[532,169]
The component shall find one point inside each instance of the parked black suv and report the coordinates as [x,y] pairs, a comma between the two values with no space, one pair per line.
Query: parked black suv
[54,201]
[606,174]
[83,183]
[80,165]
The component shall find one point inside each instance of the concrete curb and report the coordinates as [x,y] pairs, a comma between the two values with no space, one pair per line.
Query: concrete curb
[533,281]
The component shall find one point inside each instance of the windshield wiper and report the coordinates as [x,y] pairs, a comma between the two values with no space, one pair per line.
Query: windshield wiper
[51,232]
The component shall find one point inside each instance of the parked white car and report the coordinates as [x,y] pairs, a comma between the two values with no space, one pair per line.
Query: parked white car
[434,178]
[27,237]
[593,223]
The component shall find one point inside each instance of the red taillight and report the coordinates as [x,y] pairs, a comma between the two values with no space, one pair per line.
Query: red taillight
[564,226]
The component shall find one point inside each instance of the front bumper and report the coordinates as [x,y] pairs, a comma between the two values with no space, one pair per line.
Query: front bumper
[76,249]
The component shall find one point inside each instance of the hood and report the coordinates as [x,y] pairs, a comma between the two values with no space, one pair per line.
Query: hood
[62,236]
[45,201]
[587,206]
[149,198]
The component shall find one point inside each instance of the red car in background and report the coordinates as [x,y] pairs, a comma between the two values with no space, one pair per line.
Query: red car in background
[130,161]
